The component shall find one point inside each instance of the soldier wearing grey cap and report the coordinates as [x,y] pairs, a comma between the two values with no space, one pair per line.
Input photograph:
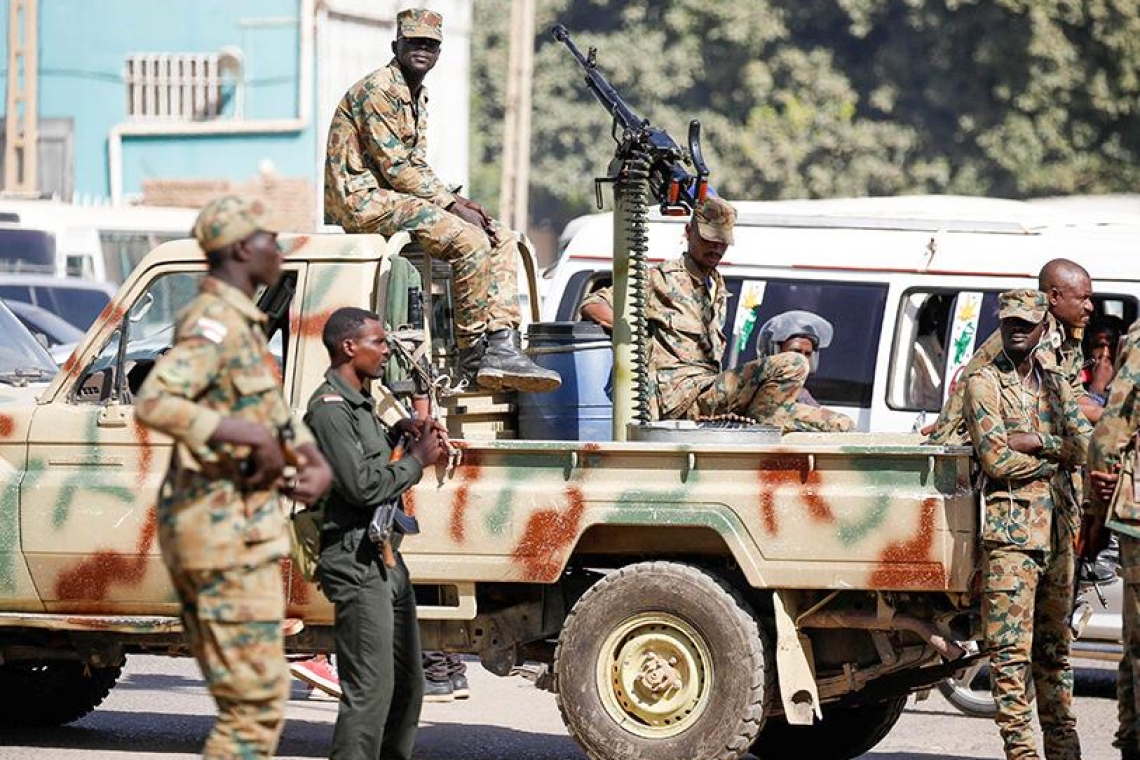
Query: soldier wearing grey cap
[221,526]
[686,310]
[377,180]
[1024,423]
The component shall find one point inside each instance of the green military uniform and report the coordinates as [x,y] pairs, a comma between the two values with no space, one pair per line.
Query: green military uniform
[1064,354]
[377,635]
[377,180]
[221,542]
[686,318]
[1114,432]
[1030,522]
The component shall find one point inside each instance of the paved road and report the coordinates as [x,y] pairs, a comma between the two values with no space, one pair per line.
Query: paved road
[161,710]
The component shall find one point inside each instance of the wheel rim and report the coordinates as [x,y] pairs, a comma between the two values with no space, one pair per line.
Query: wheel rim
[654,675]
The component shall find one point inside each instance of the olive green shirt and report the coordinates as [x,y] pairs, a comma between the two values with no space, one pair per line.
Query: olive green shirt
[358,447]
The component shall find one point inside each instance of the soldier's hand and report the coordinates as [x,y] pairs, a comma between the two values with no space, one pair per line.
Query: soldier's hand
[472,213]
[268,461]
[428,448]
[1025,443]
[1101,485]
[314,476]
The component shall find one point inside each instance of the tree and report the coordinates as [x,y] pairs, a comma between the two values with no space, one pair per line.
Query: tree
[818,98]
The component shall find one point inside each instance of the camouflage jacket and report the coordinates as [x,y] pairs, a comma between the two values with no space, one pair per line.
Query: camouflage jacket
[219,366]
[377,152]
[1059,351]
[1121,420]
[1024,494]
[686,328]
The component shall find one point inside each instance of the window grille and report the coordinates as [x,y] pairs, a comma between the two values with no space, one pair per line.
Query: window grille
[179,87]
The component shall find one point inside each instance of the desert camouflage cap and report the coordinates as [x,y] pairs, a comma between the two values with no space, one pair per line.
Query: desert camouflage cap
[227,220]
[715,217]
[1030,305]
[419,22]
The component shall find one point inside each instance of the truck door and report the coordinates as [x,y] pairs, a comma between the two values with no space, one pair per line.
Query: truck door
[88,510]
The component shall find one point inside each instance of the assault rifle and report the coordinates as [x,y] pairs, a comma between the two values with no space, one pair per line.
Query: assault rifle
[672,185]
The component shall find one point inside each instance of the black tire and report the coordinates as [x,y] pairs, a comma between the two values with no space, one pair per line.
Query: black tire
[712,705]
[845,732]
[52,693]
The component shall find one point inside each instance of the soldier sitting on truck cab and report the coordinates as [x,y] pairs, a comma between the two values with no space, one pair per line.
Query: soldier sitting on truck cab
[686,310]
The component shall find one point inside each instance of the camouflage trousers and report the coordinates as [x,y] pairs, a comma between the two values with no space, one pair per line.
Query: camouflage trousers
[1128,676]
[484,278]
[1026,603]
[233,619]
[766,390]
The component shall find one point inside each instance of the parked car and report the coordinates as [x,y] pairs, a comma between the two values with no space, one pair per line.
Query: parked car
[54,333]
[77,301]
[23,361]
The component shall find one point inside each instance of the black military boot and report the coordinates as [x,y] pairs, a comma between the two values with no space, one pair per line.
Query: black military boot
[469,361]
[506,367]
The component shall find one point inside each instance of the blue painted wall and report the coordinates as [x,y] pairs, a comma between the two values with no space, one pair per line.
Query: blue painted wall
[84,45]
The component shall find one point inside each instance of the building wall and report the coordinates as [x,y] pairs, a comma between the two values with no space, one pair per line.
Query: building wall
[83,48]
[84,45]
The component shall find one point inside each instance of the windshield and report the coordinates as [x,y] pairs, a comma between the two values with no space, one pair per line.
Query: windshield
[21,357]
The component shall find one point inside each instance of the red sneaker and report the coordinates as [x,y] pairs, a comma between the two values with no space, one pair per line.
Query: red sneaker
[317,673]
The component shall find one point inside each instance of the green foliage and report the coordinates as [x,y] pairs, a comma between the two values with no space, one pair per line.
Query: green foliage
[817,98]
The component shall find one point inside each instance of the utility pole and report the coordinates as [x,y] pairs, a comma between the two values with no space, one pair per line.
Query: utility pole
[514,188]
[20,128]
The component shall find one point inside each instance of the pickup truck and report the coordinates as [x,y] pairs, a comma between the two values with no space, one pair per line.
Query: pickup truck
[694,597]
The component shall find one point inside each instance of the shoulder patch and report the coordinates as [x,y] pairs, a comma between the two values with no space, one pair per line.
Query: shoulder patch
[210,329]
[331,398]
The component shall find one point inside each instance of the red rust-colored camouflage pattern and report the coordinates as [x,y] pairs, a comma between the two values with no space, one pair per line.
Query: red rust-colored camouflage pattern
[816,512]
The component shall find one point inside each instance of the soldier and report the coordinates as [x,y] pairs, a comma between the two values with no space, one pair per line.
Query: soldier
[377,180]
[220,523]
[1023,422]
[687,306]
[1069,290]
[377,636]
[1111,441]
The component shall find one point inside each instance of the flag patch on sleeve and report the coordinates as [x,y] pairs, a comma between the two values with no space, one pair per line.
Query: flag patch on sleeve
[210,329]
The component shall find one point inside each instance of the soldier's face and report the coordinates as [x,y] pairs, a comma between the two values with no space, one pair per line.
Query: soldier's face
[416,54]
[706,254]
[1019,337]
[1072,302]
[264,257]
[369,349]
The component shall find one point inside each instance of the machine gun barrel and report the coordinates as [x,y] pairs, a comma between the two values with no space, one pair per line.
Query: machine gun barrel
[599,85]
[673,186]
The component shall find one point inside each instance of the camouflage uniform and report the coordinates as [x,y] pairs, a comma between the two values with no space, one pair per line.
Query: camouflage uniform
[686,318]
[377,180]
[1112,435]
[1064,354]
[1030,524]
[222,543]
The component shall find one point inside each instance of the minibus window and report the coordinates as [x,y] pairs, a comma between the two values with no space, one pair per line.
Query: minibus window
[846,371]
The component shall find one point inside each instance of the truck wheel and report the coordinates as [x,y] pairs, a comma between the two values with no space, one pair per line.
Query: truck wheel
[52,693]
[844,732]
[662,661]
[971,693]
